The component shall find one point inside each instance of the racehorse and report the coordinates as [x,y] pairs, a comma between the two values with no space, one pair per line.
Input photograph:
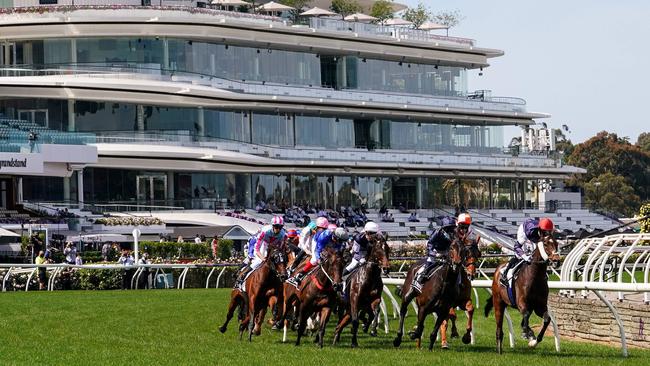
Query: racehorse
[365,288]
[438,295]
[317,293]
[263,284]
[530,292]
[470,254]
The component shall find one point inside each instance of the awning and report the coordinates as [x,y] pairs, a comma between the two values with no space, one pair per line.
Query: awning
[4,232]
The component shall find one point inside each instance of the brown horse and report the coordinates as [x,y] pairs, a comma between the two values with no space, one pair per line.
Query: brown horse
[470,254]
[530,292]
[437,296]
[365,289]
[317,293]
[261,286]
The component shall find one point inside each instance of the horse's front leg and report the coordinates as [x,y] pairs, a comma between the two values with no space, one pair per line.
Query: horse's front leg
[324,317]
[376,307]
[547,320]
[469,310]
[442,316]
[526,332]
[452,318]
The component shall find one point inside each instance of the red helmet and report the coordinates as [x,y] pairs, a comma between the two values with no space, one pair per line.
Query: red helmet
[292,233]
[546,224]
[464,218]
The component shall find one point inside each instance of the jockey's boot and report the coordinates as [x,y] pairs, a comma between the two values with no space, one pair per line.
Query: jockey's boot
[242,276]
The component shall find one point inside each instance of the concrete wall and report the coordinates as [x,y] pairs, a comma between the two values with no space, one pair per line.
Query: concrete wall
[573,198]
[590,320]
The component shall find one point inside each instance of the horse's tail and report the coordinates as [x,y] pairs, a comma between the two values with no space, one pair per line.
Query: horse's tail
[488,306]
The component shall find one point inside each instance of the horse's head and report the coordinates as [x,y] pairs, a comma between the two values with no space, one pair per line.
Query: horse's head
[277,260]
[332,264]
[470,254]
[455,254]
[379,252]
[547,249]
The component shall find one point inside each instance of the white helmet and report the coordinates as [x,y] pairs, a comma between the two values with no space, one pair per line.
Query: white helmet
[341,234]
[371,227]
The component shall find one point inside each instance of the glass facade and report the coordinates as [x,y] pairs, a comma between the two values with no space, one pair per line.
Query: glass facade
[278,129]
[204,190]
[169,55]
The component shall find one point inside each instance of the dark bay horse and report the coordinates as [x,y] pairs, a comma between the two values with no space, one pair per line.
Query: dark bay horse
[317,293]
[470,255]
[365,290]
[261,286]
[530,292]
[438,295]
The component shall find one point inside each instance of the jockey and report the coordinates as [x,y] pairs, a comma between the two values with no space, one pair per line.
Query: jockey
[529,233]
[250,250]
[464,229]
[275,237]
[305,242]
[336,238]
[293,239]
[437,249]
[360,244]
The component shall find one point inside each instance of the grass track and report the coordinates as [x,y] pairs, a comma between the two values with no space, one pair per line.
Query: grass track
[174,327]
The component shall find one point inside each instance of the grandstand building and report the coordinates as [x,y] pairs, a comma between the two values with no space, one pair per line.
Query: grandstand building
[197,108]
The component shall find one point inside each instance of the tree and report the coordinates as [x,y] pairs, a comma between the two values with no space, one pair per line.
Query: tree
[382,10]
[345,7]
[448,18]
[418,15]
[297,6]
[607,153]
[611,193]
[643,142]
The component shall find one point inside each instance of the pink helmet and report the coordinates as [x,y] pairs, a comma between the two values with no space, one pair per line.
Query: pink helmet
[322,222]
[331,227]
[277,220]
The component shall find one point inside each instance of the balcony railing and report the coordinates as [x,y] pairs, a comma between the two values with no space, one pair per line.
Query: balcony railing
[445,155]
[146,72]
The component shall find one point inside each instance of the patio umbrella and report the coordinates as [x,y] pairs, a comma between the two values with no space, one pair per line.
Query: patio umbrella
[432,26]
[397,21]
[317,12]
[229,2]
[359,17]
[272,6]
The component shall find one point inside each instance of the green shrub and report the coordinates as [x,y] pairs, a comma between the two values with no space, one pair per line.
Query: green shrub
[645,211]
[90,279]
[225,249]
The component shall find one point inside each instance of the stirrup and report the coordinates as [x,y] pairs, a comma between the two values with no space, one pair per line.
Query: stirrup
[504,282]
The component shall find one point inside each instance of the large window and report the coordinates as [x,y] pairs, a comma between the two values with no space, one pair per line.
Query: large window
[273,129]
[158,55]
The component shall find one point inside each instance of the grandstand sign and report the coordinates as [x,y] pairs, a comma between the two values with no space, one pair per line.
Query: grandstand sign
[16,163]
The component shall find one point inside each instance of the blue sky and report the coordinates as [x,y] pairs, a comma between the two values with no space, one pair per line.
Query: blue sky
[584,62]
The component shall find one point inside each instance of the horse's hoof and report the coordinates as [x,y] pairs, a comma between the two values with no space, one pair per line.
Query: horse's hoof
[467,338]
[414,335]
[354,345]
[373,333]
[532,343]
[397,342]
[444,345]
[365,328]
[454,334]
[222,329]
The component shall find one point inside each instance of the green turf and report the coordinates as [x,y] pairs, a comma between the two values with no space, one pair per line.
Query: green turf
[180,327]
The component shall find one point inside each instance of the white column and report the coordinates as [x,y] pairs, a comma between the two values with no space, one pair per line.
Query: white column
[66,189]
[165,54]
[80,188]
[72,125]
[19,188]
[170,187]
[140,117]
[201,121]
[73,51]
